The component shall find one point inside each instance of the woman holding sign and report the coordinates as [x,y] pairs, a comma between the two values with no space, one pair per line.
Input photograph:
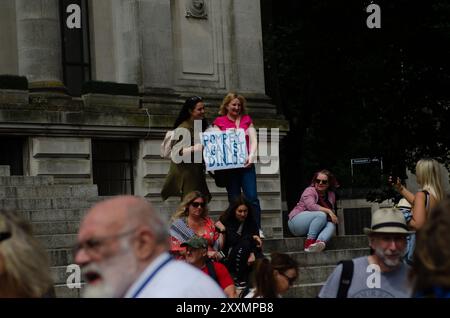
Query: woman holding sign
[187,176]
[234,117]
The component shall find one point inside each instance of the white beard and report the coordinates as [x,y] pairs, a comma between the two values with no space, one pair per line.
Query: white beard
[389,262]
[117,275]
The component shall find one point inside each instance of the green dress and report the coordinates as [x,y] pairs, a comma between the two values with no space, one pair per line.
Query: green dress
[185,177]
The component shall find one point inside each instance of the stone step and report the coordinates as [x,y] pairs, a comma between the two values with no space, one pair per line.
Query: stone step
[314,274]
[26,181]
[295,244]
[49,191]
[60,256]
[327,257]
[57,241]
[46,203]
[62,291]
[4,171]
[58,227]
[60,275]
[304,290]
[218,204]
[154,184]
[52,215]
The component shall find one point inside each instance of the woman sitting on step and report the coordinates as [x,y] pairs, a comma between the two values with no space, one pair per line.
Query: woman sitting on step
[190,219]
[242,243]
[314,215]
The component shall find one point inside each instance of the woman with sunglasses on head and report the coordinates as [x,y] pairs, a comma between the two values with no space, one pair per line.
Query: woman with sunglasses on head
[233,116]
[273,277]
[190,219]
[314,215]
[185,177]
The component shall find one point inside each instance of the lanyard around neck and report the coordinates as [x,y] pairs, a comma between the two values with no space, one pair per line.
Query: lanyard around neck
[150,277]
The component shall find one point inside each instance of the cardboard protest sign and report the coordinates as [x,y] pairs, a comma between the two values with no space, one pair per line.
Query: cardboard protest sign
[224,149]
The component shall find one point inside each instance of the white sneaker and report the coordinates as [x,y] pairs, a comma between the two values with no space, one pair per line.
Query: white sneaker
[261,234]
[317,247]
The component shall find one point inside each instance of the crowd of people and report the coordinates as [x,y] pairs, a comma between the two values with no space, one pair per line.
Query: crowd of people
[126,249]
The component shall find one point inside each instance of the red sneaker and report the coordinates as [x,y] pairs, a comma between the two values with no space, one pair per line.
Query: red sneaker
[317,247]
[308,243]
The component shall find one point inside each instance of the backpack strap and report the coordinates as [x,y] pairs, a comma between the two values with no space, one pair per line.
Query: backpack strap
[211,270]
[346,278]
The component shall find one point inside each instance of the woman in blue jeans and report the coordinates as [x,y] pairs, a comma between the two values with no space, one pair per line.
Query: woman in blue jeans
[314,215]
[233,116]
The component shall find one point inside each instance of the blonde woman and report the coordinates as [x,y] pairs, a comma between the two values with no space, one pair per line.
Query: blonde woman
[190,219]
[24,266]
[428,176]
[233,116]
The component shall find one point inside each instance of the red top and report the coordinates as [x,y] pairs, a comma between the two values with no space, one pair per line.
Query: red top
[222,273]
[209,233]
[224,123]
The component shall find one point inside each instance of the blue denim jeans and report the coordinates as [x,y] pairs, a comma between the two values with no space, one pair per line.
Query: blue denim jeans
[245,179]
[313,224]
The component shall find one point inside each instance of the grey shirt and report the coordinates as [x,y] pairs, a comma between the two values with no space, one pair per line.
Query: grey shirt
[392,284]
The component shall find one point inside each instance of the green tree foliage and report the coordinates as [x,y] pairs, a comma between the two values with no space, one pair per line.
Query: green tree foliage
[350,91]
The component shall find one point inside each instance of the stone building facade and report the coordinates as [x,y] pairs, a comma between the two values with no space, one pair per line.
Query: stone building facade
[171,49]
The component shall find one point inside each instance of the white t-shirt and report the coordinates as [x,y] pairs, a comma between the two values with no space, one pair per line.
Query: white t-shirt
[175,279]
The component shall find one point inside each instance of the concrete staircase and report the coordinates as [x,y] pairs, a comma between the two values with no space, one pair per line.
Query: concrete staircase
[54,211]
[315,268]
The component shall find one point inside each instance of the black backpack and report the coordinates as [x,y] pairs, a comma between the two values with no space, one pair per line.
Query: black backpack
[346,278]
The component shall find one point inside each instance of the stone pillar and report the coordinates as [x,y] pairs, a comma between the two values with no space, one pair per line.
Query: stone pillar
[157,49]
[8,38]
[247,48]
[126,39]
[39,43]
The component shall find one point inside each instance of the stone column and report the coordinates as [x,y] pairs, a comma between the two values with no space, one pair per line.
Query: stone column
[155,20]
[39,43]
[126,37]
[247,48]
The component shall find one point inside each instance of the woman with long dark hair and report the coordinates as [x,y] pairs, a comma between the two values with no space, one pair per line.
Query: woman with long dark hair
[273,277]
[188,175]
[242,243]
[315,213]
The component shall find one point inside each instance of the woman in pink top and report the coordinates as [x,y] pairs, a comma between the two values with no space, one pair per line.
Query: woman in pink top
[234,116]
[314,215]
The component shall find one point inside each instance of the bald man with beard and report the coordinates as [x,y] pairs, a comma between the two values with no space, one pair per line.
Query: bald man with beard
[122,250]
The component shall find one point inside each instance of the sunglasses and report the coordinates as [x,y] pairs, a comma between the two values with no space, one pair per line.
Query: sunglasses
[290,280]
[320,181]
[197,204]
[195,99]
[4,236]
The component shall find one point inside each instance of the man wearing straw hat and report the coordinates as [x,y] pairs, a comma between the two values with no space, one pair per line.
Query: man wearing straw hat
[382,274]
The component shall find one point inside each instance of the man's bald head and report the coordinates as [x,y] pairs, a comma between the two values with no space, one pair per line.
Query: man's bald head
[117,240]
[123,213]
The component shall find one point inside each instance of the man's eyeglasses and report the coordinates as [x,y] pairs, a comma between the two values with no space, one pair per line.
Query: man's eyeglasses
[290,280]
[94,246]
[4,236]
[197,204]
[320,181]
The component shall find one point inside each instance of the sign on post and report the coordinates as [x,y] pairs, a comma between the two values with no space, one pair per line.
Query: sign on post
[224,149]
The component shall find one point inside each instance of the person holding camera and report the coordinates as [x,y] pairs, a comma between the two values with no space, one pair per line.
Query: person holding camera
[314,215]
[428,176]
